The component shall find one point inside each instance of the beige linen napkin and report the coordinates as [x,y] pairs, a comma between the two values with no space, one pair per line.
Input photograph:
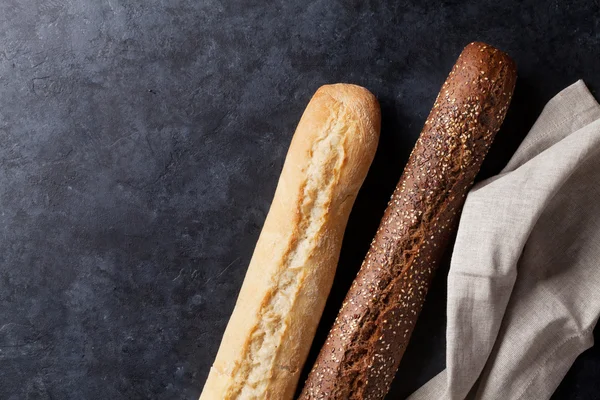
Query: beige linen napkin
[524,281]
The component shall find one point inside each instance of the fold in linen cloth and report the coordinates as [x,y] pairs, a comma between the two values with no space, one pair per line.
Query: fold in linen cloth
[524,280]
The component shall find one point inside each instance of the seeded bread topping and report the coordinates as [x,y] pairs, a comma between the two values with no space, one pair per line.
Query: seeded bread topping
[369,336]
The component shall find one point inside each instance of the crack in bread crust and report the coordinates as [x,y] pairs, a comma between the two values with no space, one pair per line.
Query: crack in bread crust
[322,174]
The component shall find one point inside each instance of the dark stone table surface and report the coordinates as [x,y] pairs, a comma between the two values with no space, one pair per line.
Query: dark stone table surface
[141,142]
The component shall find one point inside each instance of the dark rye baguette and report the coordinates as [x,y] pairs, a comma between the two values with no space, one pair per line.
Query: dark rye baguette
[371,332]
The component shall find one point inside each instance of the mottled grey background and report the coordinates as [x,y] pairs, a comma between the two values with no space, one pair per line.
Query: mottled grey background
[141,143]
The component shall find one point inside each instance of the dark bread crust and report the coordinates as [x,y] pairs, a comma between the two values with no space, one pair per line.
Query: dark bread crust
[368,339]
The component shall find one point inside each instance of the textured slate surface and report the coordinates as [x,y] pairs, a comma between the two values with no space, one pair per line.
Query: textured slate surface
[141,143]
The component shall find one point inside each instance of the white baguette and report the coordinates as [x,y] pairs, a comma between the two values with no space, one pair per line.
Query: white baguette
[291,272]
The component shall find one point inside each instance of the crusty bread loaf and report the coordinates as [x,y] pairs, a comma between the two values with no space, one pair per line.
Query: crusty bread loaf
[367,341]
[284,292]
